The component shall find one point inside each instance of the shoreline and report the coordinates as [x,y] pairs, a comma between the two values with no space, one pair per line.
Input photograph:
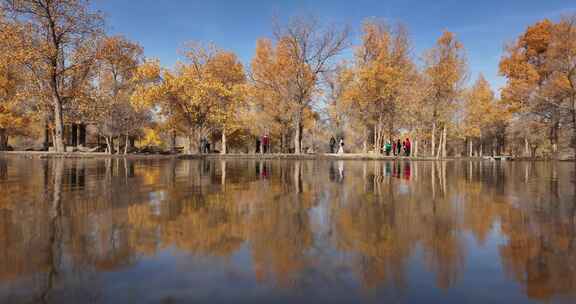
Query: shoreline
[363,157]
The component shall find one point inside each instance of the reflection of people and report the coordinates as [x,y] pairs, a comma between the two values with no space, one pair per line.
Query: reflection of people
[341,170]
[332,144]
[407,171]
[341,148]
[332,172]
[262,170]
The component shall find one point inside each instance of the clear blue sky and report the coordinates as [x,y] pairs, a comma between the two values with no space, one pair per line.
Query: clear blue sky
[484,26]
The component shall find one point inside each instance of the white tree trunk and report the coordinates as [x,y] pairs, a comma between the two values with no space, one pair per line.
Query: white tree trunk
[433,142]
[59,145]
[297,148]
[224,147]
[127,144]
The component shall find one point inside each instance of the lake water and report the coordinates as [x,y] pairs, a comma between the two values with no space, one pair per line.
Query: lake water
[246,231]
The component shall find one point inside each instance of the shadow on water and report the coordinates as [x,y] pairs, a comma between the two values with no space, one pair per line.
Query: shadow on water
[171,231]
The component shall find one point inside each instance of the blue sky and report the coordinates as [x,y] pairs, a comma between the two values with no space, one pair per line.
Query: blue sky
[162,27]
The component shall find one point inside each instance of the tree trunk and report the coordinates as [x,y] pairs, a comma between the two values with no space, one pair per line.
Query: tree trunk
[297,135]
[82,135]
[495,147]
[416,145]
[109,145]
[364,143]
[526,147]
[554,137]
[190,144]
[375,138]
[470,146]
[127,144]
[433,142]
[173,141]
[444,141]
[439,150]
[224,148]
[118,145]
[46,136]
[3,140]
[73,135]
[574,126]
[58,125]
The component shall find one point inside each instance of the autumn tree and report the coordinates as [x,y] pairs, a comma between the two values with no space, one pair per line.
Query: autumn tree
[225,69]
[64,36]
[204,94]
[116,79]
[445,72]
[303,51]
[478,104]
[12,119]
[342,116]
[385,74]
[562,66]
[485,118]
[270,79]
[539,67]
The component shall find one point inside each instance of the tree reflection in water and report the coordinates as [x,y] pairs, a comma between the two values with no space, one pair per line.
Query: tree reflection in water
[291,227]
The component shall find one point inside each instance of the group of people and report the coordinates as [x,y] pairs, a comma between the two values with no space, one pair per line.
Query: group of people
[263,144]
[398,148]
[395,147]
[336,148]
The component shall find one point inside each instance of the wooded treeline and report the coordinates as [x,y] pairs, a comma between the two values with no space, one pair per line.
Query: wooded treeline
[59,67]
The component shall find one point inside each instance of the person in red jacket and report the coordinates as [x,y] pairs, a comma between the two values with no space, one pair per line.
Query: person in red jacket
[407,146]
[266,144]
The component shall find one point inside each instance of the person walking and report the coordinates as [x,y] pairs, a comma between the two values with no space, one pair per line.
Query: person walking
[388,148]
[398,148]
[204,145]
[266,143]
[407,146]
[257,146]
[332,144]
[341,148]
[394,147]
[404,146]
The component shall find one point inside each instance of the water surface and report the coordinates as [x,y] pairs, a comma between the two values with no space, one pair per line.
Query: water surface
[179,231]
